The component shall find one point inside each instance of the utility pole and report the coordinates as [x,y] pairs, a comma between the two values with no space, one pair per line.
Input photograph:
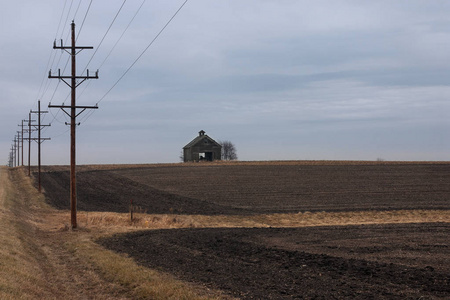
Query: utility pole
[21,140]
[73,115]
[10,159]
[18,148]
[39,140]
[15,150]
[29,142]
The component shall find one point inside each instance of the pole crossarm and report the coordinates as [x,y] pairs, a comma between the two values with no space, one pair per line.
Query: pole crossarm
[83,108]
[70,47]
[76,106]
[62,77]
[39,112]
[38,140]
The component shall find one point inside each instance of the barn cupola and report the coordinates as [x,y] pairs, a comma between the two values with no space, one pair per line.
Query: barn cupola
[201,133]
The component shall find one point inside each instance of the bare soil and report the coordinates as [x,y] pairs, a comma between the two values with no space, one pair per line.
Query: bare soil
[255,189]
[355,262]
[384,261]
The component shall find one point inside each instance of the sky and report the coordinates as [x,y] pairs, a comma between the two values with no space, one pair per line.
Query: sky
[281,80]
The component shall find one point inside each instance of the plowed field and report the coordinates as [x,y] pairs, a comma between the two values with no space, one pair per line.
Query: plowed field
[255,189]
[352,262]
[380,261]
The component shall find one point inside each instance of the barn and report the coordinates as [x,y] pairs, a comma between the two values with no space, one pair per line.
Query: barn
[202,148]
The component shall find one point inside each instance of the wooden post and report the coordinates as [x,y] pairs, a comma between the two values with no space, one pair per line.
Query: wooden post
[131,209]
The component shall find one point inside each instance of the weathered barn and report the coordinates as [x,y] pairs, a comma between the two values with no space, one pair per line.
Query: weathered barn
[202,148]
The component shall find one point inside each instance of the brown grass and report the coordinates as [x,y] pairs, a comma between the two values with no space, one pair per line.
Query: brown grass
[120,222]
[20,275]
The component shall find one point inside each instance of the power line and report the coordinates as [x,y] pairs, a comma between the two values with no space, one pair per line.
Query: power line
[78,7]
[84,19]
[68,12]
[132,19]
[112,49]
[56,88]
[106,33]
[143,52]
[51,54]
[60,19]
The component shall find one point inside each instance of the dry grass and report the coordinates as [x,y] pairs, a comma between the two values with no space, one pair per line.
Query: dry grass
[122,222]
[20,275]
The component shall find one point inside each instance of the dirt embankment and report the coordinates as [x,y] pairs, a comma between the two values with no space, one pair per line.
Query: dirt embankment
[35,263]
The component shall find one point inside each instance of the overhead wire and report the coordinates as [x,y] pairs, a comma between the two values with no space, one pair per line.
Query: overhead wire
[84,19]
[88,115]
[51,54]
[143,52]
[106,33]
[60,19]
[112,49]
[132,19]
[44,90]
[55,116]
[78,7]
[67,17]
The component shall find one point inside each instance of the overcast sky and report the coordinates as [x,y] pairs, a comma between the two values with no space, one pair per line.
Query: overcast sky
[282,80]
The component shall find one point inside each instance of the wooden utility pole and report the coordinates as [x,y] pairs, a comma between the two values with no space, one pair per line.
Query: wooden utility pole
[73,115]
[15,150]
[10,159]
[13,158]
[39,140]
[18,148]
[21,140]
[29,141]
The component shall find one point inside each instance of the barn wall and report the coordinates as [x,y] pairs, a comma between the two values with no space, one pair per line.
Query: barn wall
[202,146]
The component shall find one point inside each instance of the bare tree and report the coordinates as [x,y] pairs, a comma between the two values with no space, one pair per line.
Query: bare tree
[228,150]
[181,156]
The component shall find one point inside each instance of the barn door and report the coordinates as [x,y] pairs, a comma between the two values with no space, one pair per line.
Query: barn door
[209,156]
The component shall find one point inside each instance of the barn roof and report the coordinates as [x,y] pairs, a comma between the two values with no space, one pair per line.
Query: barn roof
[200,137]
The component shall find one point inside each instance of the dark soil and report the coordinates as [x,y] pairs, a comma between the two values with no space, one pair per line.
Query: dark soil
[108,191]
[407,261]
[252,189]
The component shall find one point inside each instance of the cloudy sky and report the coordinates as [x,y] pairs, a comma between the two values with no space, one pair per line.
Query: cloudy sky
[282,80]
